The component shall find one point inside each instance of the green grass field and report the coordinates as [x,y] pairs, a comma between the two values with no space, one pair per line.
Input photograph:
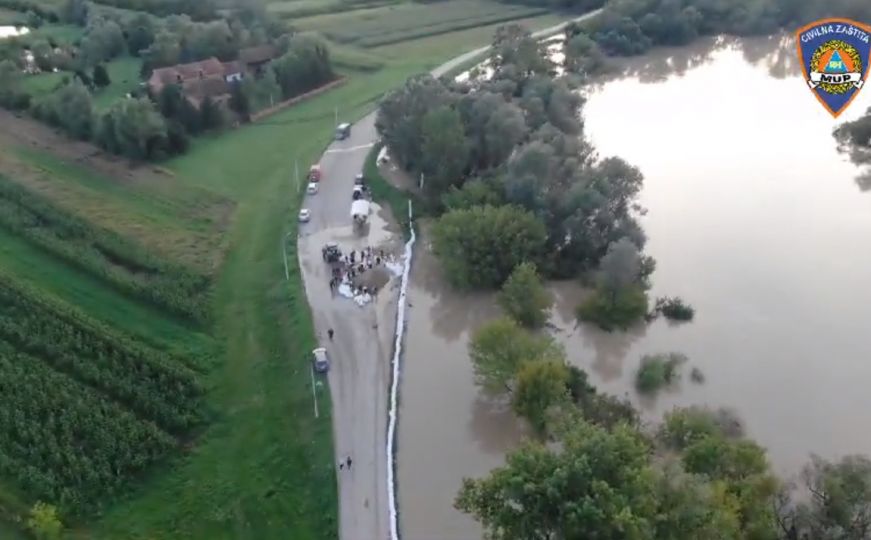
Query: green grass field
[124,77]
[406,21]
[264,468]
[60,33]
[123,74]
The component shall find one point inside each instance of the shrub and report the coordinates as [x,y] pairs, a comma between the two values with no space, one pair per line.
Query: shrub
[625,308]
[524,298]
[674,309]
[657,371]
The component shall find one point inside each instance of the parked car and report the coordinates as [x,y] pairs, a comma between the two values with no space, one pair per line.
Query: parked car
[305,215]
[343,131]
[331,252]
[312,188]
[358,193]
[359,180]
[321,360]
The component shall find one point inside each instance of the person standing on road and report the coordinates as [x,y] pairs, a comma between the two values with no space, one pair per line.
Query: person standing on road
[349,463]
[330,334]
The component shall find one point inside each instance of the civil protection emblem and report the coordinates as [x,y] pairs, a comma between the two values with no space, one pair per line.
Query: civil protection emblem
[834,56]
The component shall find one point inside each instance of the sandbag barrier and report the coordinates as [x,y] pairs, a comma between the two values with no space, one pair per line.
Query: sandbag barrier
[394,383]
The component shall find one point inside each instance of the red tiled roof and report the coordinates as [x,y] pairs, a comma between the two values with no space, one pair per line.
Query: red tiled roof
[209,67]
[257,55]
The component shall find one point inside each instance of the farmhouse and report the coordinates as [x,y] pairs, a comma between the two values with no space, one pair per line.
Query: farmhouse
[211,77]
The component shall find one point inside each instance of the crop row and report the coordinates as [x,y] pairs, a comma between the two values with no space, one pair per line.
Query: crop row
[149,384]
[124,264]
[412,18]
[444,28]
[63,443]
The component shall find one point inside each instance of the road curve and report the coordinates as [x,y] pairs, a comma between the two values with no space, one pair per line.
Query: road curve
[359,379]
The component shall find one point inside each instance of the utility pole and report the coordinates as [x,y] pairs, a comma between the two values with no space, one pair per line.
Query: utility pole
[296,173]
[421,181]
[336,121]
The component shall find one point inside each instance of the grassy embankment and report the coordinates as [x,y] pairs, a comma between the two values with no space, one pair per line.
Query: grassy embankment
[264,468]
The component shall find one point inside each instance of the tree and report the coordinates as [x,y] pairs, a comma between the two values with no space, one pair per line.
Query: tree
[400,117]
[480,246]
[74,110]
[165,50]
[444,149]
[42,54]
[134,128]
[103,41]
[619,268]
[839,506]
[239,102]
[173,105]
[600,485]
[75,12]
[498,349]
[140,32]
[541,385]
[10,82]
[44,522]
[101,76]
[524,298]
[210,115]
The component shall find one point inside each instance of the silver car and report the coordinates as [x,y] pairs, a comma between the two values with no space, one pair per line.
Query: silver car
[321,360]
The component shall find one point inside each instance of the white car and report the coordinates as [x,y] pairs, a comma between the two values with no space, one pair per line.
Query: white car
[305,215]
[321,360]
[312,188]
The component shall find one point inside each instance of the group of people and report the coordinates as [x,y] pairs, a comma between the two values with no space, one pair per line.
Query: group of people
[353,265]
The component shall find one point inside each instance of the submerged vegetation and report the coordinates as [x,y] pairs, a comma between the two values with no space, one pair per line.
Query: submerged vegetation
[658,371]
[674,309]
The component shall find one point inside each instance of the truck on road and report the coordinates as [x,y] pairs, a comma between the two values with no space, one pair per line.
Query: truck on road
[360,212]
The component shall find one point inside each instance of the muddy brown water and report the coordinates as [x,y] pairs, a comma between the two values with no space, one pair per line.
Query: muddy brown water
[753,217]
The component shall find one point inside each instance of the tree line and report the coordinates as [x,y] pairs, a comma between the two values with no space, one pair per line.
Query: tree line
[82,409]
[122,263]
[630,27]
[595,471]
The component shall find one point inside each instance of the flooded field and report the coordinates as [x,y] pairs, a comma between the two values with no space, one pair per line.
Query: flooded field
[753,217]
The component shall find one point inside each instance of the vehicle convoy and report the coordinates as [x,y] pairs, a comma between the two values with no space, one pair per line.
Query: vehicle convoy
[360,212]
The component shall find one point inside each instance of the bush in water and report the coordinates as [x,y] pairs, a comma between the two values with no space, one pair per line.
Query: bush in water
[657,371]
[674,309]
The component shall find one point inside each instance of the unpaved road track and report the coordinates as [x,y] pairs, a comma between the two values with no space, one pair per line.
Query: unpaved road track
[361,348]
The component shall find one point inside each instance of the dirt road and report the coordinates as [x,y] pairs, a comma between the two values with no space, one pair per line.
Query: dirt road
[361,348]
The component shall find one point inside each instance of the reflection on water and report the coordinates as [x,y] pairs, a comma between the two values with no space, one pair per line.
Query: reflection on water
[775,53]
[753,218]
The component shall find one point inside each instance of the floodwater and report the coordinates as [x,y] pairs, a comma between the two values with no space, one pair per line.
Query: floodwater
[753,217]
